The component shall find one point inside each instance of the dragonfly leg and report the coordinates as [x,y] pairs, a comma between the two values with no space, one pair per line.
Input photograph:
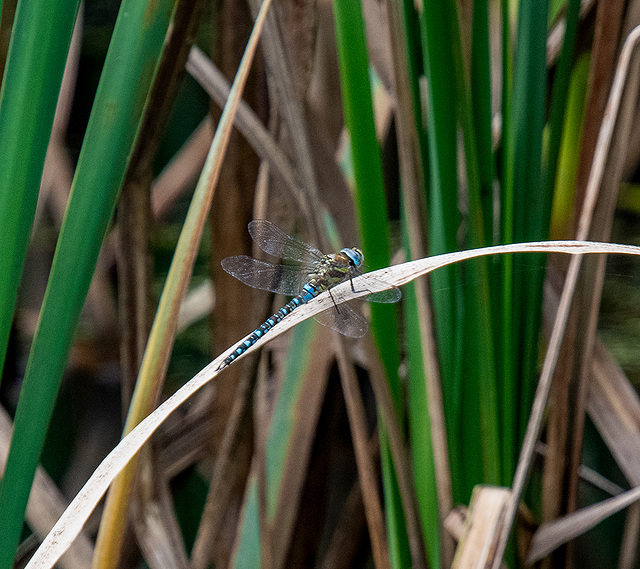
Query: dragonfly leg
[334,300]
[353,289]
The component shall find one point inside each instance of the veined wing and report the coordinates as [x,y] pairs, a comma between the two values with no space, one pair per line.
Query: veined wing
[349,321]
[281,279]
[388,296]
[272,240]
[344,319]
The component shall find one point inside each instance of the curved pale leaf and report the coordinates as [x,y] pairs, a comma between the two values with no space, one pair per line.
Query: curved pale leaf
[74,517]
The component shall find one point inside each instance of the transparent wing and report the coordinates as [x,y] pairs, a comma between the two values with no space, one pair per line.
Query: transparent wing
[344,319]
[388,296]
[272,240]
[281,279]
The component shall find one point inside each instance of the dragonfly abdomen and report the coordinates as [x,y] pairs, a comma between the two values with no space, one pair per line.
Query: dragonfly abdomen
[310,290]
[308,264]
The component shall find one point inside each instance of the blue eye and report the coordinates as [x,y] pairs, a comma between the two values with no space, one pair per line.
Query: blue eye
[354,255]
[321,273]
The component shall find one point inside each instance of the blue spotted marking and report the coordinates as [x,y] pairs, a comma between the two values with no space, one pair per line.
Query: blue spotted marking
[313,274]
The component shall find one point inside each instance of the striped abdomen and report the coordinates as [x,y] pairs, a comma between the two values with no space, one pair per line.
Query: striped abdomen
[312,289]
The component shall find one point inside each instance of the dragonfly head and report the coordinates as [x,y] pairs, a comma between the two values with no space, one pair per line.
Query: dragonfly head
[354,255]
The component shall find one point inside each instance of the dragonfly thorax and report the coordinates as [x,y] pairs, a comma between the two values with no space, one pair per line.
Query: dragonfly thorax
[321,271]
[354,254]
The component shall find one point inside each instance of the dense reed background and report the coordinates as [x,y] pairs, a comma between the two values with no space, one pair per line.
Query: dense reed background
[409,129]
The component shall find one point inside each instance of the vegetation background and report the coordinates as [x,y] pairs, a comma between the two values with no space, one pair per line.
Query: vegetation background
[410,129]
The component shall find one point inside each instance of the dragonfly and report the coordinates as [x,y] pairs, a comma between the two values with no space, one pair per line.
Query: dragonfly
[304,274]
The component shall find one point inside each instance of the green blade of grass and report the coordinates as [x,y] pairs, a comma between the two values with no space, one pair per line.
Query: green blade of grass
[420,432]
[504,340]
[568,161]
[372,214]
[367,169]
[539,216]
[442,198]
[40,41]
[559,97]
[477,428]
[524,204]
[427,433]
[411,28]
[480,95]
[482,381]
[443,219]
[129,69]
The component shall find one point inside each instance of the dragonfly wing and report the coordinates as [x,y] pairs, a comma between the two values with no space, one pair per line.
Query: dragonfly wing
[281,279]
[387,296]
[391,295]
[344,319]
[272,240]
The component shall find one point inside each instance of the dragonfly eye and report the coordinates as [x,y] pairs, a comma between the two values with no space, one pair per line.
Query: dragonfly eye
[354,255]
